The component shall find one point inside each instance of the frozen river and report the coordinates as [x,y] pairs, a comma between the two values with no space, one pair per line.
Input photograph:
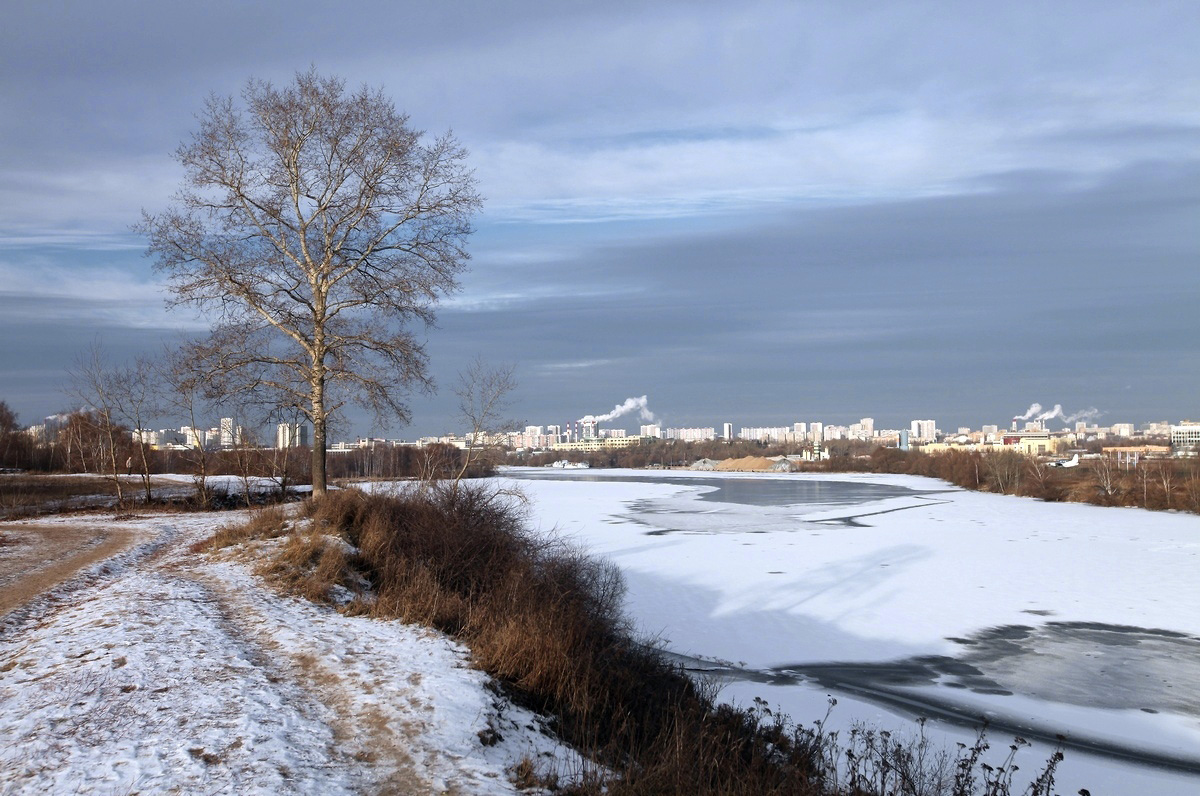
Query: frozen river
[906,597]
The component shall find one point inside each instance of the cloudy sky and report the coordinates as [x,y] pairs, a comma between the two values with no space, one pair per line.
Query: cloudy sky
[751,212]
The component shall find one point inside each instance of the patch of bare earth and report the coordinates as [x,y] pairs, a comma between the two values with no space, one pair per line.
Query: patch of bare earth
[38,557]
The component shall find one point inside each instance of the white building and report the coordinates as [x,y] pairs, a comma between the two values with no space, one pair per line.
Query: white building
[765,433]
[652,430]
[1160,428]
[727,432]
[193,437]
[291,435]
[834,432]
[925,430]
[692,434]
[1185,437]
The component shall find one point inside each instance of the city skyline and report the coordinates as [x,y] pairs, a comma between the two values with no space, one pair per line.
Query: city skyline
[943,211]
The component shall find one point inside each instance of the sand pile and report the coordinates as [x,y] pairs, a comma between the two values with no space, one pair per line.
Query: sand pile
[747,464]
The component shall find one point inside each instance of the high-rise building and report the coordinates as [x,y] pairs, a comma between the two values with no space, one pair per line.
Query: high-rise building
[227,438]
[291,435]
[652,430]
[192,437]
[923,430]
[727,431]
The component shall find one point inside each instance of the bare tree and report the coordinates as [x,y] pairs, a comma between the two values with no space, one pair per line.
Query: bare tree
[1106,477]
[483,394]
[136,402]
[319,226]
[1165,473]
[8,432]
[96,385]
[247,456]
[186,393]
[1004,470]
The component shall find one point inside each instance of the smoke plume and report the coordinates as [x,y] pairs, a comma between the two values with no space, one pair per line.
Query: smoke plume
[1030,412]
[640,405]
[1035,412]
[1087,415]
[1057,411]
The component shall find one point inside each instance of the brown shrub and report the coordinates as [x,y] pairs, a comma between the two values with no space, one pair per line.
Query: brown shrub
[546,620]
[310,565]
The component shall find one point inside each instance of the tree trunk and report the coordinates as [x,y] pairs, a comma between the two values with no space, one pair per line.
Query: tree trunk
[318,441]
[145,470]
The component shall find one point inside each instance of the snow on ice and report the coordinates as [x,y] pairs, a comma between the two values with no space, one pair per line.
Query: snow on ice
[939,602]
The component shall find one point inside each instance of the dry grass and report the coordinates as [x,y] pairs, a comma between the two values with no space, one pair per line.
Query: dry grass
[29,495]
[310,565]
[266,523]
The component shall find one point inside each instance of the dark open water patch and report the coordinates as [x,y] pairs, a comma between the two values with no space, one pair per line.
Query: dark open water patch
[781,491]
[1091,664]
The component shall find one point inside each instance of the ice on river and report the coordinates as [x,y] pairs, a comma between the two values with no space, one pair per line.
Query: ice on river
[905,596]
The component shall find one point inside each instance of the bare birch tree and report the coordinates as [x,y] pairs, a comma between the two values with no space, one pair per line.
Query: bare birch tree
[319,226]
[96,385]
[483,394]
[139,400]
[187,394]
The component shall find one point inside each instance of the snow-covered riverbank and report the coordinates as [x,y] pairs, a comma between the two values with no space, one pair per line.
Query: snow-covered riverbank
[1045,617]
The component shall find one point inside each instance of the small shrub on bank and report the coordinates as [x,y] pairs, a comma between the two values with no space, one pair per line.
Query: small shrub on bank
[265,523]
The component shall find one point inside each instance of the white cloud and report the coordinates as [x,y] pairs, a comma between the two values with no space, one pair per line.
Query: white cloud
[42,289]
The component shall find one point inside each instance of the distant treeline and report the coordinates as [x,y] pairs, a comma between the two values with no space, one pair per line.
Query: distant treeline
[84,442]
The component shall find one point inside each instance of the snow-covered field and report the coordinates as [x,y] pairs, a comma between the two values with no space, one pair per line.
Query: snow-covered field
[164,671]
[1046,618]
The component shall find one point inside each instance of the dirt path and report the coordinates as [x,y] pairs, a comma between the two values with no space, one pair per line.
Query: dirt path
[170,671]
[36,557]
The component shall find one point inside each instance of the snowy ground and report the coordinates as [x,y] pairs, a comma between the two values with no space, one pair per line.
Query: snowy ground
[1047,618]
[164,671]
